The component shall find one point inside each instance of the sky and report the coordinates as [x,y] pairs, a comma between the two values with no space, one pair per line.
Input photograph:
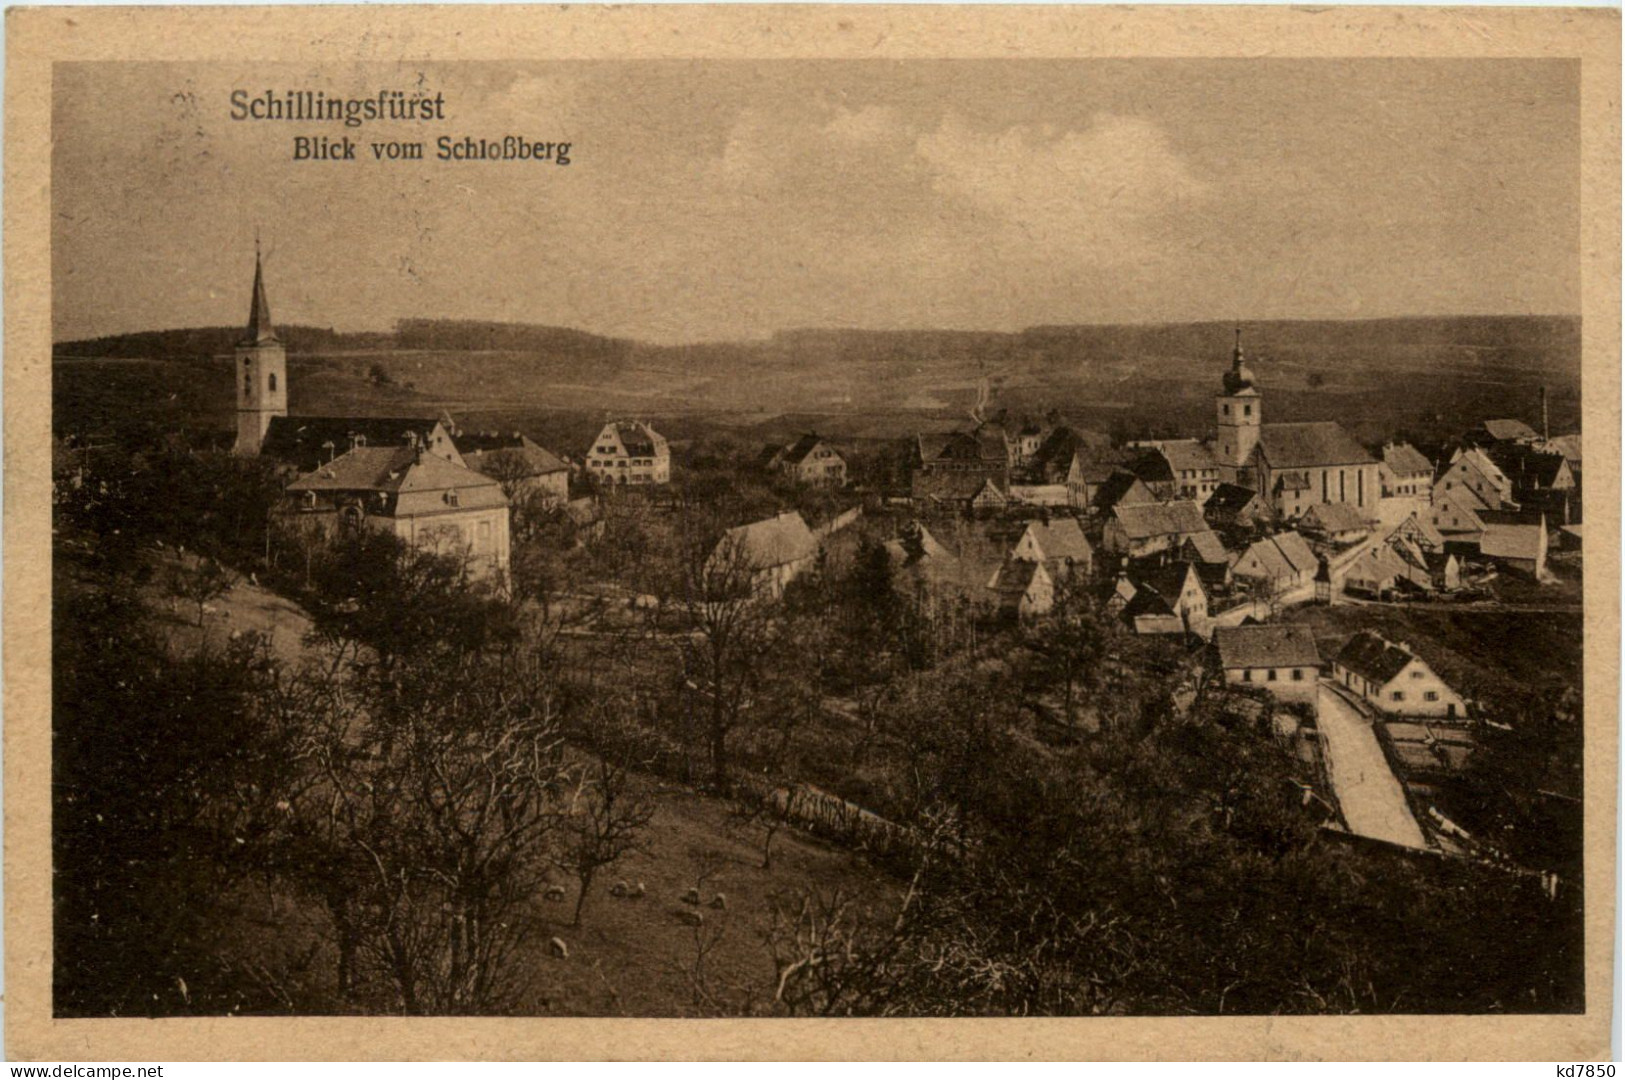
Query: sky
[714,200]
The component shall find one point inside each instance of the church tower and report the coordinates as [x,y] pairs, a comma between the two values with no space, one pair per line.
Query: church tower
[1241,412]
[260,369]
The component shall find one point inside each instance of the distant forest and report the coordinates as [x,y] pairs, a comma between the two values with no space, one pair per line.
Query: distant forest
[1552,342]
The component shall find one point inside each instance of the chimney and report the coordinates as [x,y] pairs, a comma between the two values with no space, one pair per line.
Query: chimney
[1545,424]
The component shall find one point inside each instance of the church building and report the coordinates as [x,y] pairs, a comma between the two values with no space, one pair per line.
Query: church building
[1292,466]
[402,476]
[261,368]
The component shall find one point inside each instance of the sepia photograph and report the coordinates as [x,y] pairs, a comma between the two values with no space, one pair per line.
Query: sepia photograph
[803,537]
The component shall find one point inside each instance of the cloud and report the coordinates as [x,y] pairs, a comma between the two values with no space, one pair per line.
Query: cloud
[1102,190]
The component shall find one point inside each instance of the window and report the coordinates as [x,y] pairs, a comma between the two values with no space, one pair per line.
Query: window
[1246,410]
[248,384]
[1398,695]
[1431,695]
[1227,410]
[451,498]
[1297,674]
[272,382]
[1416,673]
[310,500]
[1247,675]
[1272,675]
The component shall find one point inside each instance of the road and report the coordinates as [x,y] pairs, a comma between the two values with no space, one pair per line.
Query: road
[1370,795]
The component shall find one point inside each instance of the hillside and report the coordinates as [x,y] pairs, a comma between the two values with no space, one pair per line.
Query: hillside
[1131,380]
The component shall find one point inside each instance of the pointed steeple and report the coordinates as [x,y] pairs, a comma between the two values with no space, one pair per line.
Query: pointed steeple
[260,331]
[1239,379]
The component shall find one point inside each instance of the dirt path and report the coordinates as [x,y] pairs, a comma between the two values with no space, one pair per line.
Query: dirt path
[1372,800]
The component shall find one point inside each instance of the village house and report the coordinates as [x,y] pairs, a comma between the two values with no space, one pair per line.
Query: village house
[1059,545]
[1377,572]
[1335,523]
[1472,471]
[1194,469]
[1568,446]
[1281,659]
[1455,515]
[763,557]
[306,442]
[1418,530]
[1052,462]
[1120,488]
[1023,589]
[1540,480]
[1029,436]
[1145,529]
[1405,472]
[1154,472]
[1518,547]
[1425,570]
[962,492]
[1208,552]
[523,467]
[981,451]
[809,460]
[427,501]
[629,452]
[1232,507]
[1276,566]
[1491,432]
[1393,679]
[914,545]
[1165,599]
[1090,470]
[1294,465]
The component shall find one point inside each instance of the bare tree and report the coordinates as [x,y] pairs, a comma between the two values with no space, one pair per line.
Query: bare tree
[509,469]
[430,825]
[606,822]
[733,620]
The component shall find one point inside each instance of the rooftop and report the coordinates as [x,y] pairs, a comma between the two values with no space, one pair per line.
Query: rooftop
[1266,646]
[775,541]
[1142,521]
[1373,657]
[1403,459]
[1300,445]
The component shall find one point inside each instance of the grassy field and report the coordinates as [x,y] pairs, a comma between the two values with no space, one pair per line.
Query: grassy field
[628,957]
